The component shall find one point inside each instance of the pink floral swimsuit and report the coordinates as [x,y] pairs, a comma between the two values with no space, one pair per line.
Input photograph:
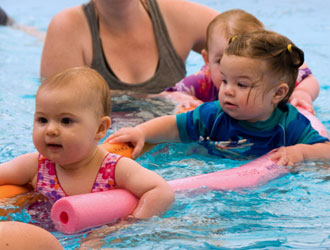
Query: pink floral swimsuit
[49,185]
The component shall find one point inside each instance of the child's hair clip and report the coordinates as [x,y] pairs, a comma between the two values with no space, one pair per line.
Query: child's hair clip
[233,38]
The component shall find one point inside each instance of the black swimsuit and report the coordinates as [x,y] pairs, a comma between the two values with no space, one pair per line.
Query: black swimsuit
[170,69]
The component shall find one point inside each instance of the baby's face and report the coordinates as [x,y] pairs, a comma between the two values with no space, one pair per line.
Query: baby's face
[64,128]
[216,48]
[242,94]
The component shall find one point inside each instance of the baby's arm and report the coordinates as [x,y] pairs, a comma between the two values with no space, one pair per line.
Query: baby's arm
[158,130]
[198,85]
[288,156]
[154,193]
[182,100]
[20,170]
[306,91]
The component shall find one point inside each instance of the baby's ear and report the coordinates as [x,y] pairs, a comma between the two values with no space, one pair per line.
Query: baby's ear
[281,91]
[104,125]
[205,56]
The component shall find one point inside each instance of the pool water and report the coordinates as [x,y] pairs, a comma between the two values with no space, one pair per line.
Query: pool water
[291,212]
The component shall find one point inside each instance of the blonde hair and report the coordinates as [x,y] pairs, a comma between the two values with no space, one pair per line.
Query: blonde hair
[233,22]
[85,82]
[281,56]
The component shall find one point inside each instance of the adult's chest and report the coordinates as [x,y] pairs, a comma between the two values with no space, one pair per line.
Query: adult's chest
[133,58]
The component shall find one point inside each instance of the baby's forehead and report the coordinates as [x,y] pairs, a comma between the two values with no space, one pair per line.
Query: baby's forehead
[237,63]
[217,46]
[218,39]
[71,94]
[59,102]
[75,85]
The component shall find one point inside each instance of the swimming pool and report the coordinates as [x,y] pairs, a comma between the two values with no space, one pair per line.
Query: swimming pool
[288,213]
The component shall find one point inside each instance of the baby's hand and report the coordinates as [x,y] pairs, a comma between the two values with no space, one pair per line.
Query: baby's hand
[132,135]
[183,100]
[188,101]
[300,98]
[286,156]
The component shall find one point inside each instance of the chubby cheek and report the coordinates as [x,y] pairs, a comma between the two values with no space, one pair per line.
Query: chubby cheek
[77,144]
[254,103]
[37,139]
[216,76]
[220,96]
[72,140]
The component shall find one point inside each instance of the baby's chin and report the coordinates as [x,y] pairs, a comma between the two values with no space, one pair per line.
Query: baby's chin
[240,117]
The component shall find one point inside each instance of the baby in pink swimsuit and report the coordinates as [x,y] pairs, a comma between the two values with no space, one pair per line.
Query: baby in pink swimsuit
[49,185]
[71,117]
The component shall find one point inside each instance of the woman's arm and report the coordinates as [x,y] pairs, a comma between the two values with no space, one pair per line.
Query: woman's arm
[64,44]
[186,22]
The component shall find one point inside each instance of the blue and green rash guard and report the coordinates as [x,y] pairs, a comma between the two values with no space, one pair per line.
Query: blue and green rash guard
[227,137]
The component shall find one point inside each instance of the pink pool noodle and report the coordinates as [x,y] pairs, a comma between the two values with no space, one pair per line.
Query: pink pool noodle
[76,213]
[256,172]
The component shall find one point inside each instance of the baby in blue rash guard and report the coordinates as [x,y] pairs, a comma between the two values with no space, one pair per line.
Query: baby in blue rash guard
[252,116]
[205,84]
[227,137]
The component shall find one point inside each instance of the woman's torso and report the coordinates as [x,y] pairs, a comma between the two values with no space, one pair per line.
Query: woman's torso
[170,67]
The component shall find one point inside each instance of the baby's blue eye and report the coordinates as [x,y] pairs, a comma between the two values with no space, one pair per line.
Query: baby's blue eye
[66,121]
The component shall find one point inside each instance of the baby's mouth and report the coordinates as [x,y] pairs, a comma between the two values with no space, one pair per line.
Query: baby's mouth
[54,145]
[230,105]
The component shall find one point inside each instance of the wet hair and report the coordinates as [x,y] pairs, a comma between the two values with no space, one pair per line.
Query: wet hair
[282,57]
[233,22]
[85,82]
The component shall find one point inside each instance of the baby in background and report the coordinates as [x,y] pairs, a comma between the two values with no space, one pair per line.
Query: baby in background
[252,117]
[72,114]
[205,84]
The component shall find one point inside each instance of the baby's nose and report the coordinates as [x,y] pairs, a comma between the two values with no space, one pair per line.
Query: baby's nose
[229,90]
[52,129]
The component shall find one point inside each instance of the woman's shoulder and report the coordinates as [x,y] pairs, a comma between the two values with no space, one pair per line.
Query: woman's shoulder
[69,26]
[68,18]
